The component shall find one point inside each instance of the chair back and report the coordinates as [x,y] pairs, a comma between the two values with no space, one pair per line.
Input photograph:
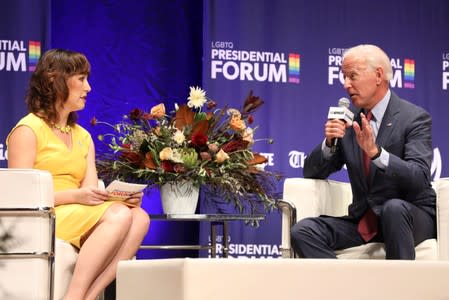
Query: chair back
[27,234]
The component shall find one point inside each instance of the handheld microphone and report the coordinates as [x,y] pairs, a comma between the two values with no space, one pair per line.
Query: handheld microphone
[341,112]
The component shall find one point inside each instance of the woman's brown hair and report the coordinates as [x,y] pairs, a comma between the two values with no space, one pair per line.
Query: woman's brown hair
[48,83]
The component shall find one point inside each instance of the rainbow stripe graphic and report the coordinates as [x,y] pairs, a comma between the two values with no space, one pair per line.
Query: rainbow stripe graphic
[34,52]
[293,67]
[409,73]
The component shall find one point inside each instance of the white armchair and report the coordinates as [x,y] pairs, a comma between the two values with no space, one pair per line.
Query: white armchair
[33,265]
[312,197]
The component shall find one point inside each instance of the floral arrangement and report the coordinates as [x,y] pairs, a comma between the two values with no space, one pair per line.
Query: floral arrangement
[196,142]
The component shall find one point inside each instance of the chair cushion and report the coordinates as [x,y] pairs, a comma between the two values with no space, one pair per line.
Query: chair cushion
[427,250]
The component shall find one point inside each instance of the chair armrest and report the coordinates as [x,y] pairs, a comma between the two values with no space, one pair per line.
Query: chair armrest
[25,188]
[442,190]
[304,197]
[26,209]
[288,219]
[314,197]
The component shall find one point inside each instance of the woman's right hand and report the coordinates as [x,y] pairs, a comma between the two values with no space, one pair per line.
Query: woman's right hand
[91,196]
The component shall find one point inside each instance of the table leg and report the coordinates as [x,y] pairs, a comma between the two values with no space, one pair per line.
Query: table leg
[225,239]
[213,240]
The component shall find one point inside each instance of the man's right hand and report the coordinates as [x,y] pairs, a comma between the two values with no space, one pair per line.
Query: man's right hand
[334,128]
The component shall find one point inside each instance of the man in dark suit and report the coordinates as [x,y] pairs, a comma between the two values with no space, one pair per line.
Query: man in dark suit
[388,153]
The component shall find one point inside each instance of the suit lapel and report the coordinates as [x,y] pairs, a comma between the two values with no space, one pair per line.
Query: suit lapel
[389,121]
[359,154]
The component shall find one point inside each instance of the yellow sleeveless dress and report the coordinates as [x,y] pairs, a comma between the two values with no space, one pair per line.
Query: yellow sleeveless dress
[68,168]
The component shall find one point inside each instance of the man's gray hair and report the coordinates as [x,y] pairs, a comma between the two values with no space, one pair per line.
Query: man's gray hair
[374,57]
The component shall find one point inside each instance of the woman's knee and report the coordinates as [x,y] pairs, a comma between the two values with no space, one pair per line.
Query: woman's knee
[119,214]
[140,218]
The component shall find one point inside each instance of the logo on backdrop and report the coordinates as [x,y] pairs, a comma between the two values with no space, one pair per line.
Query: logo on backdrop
[296,161]
[19,55]
[403,70]
[3,152]
[253,65]
[238,250]
[445,74]
[270,159]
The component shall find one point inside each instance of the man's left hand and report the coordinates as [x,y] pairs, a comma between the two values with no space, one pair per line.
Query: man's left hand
[365,136]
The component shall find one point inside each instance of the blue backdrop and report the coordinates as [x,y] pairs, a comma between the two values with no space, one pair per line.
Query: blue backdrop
[25,30]
[145,52]
[289,53]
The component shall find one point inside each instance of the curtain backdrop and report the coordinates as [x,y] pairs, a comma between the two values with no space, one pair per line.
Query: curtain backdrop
[142,53]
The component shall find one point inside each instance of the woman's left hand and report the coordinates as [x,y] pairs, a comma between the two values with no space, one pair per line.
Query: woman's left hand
[135,199]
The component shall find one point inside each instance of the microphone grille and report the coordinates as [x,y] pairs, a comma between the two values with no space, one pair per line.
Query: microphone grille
[343,102]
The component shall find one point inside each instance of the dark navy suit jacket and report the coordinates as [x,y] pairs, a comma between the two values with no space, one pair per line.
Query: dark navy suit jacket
[406,133]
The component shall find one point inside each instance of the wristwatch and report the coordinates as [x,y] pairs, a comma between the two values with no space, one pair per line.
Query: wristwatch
[379,150]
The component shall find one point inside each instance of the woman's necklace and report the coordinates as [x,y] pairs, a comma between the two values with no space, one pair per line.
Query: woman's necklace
[64,129]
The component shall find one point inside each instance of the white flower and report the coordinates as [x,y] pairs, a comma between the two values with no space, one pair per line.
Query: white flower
[233,112]
[166,154]
[248,135]
[176,156]
[197,97]
[179,137]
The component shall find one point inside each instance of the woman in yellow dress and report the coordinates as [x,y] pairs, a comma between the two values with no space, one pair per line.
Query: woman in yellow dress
[48,138]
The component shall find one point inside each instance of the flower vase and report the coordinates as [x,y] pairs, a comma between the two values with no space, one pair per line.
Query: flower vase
[179,197]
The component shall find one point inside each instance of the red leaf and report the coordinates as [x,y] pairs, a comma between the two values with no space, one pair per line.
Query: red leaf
[149,161]
[201,127]
[184,116]
[258,159]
